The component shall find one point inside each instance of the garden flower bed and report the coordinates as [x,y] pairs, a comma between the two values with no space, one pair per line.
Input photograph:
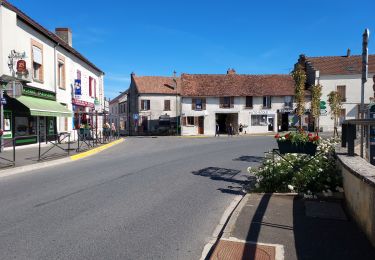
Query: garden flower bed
[320,175]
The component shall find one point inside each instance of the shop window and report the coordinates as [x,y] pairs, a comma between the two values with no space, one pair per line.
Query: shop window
[37,60]
[167,105]
[267,102]
[249,102]
[258,120]
[145,105]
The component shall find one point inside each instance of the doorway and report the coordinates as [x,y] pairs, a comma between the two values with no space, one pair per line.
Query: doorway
[225,119]
[201,125]
[270,124]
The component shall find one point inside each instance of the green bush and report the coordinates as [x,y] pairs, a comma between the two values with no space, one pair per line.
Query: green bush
[319,175]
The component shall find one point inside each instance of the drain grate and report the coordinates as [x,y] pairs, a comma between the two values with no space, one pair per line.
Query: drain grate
[326,210]
[229,250]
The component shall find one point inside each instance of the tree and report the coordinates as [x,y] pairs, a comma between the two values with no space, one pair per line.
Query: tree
[316,93]
[334,101]
[299,77]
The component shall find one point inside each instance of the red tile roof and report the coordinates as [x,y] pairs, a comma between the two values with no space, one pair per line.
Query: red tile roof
[340,65]
[53,37]
[236,85]
[156,85]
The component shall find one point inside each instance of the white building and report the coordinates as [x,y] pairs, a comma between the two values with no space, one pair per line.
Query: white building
[342,74]
[118,113]
[57,83]
[154,104]
[260,103]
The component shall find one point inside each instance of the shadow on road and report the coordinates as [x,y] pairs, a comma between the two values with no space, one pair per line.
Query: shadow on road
[249,158]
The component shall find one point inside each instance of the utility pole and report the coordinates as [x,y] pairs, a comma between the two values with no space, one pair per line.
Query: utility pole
[1,116]
[365,39]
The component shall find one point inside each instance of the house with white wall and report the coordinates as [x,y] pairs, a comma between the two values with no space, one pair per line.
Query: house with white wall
[154,104]
[50,87]
[260,103]
[342,74]
[118,113]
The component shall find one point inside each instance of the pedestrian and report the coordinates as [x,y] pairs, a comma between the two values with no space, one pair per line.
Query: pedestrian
[217,130]
[113,129]
[230,130]
[240,128]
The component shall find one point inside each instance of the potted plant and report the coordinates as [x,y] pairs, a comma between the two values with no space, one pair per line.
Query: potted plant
[297,142]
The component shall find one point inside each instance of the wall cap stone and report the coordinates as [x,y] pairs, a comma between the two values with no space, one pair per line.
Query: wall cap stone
[358,167]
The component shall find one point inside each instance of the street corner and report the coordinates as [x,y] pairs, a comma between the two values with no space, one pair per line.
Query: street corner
[95,150]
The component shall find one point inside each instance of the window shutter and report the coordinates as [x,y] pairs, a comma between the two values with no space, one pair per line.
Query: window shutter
[204,103]
[142,105]
[221,102]
[95,88]
[193,104]
[148,105]
[78,74]
[231,102]
[90,86]
[184,120]
[37,55]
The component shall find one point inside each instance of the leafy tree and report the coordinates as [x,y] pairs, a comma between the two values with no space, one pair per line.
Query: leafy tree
[334,101]
[316,93]
[299,77]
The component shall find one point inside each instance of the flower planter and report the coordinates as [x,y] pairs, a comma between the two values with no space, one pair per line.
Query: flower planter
[289,147]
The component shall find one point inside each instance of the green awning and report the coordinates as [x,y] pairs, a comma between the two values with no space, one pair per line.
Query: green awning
[43,107]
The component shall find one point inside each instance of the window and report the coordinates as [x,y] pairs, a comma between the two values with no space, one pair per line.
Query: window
[61,73]
[78,74]
[267,102]
[198,104]
[145,105]
[226,102]
[342,92]
[249,102]
[190,120]
[258,120]
[167,105]
[37,60]
[90,86]
[288,102]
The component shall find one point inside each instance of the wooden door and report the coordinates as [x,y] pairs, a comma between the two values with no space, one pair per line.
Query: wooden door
[201,125]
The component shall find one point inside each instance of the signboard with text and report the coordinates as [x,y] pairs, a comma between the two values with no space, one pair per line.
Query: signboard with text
[77,89]
[82,103]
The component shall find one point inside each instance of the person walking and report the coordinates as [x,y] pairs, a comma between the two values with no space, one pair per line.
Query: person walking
[113,129]
[230,130]
[240,129]
[217,130]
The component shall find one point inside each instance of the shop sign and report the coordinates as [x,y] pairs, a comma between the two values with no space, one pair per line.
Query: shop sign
[79,102]
[286,110]
[21,66]
[3,101]
[97,104]
[262,112]
[7,131]
[77,89]
[38,93]
[323,112]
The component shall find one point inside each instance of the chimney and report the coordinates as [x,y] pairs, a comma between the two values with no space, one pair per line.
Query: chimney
[132,75]
[65,34]
[348,53]
[231,71]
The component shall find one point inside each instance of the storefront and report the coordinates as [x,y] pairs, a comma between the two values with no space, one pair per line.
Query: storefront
[31,117]
[83,114]
[262,121]
[289,121]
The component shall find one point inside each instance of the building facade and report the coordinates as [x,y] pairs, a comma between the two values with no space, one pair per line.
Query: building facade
[118,113]
[154,105]
[342,74]
[49,87]
[260,103]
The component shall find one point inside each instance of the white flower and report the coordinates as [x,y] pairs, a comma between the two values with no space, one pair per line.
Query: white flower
[249,169]
[290,187]
[256,185]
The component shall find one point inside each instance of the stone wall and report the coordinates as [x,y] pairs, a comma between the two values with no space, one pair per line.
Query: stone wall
[359,185]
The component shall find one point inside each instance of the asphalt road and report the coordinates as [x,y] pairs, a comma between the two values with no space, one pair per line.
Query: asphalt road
[146,198]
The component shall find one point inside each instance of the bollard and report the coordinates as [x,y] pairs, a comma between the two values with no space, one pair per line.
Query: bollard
[344,132]
[14,152]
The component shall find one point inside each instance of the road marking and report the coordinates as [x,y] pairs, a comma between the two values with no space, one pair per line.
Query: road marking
[95,150]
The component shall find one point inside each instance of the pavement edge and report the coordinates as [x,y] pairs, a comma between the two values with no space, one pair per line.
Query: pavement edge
[95,150]
[220,227]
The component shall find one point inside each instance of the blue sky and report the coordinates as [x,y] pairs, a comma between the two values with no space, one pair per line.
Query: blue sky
[156,37]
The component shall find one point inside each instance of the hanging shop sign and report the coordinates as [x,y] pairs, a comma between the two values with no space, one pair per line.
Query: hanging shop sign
[21,66]
[77,89]
[27,91]
[7,131]
[97,104]
[82,103]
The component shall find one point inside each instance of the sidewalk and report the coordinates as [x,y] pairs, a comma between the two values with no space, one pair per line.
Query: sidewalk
[28,155]
[289,227]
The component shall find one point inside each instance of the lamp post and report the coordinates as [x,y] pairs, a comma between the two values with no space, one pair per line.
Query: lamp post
[175,86]
[365,36]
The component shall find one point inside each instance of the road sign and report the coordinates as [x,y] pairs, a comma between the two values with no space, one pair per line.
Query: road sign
[135,116]
[323,112]
[323,105]
[3,101]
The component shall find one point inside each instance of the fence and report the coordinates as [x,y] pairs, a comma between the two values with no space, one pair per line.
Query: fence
[350,128]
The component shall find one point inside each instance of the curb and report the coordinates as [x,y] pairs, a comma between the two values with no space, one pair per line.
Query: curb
[220,227]
[42,165]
